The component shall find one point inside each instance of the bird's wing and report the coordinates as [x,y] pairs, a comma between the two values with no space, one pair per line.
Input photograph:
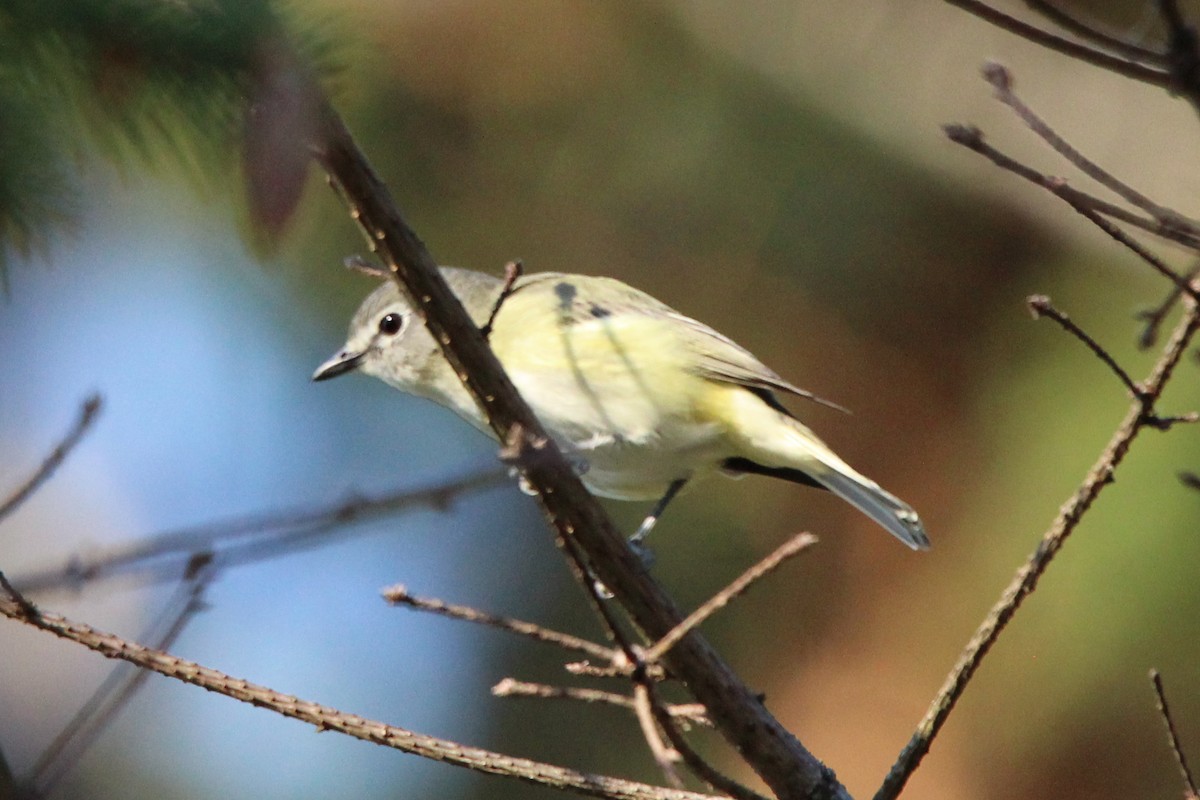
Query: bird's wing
[715,356]
[719,358]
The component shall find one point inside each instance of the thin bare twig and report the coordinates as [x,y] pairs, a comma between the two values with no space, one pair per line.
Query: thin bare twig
[1085,31]
[253,537]
[1026,578]
[688,713]
[1173,735]
[793,546]
[1040,306]
[1121,238]
[398,595]
[331,719]
[88,412]
[1086,205]
[359,264]
[1088,55]
[589,670]
[665,756]
[620,668]
[511,687]
[1002,81]
[91,719]
[694,761]
[512,271]
[972,137]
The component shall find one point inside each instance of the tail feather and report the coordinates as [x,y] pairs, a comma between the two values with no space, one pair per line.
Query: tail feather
[771,442]
[895,515]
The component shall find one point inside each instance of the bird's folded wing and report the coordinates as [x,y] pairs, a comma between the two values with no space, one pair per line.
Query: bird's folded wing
[719,358]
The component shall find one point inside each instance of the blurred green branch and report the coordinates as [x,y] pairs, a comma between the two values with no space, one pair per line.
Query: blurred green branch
[164,83]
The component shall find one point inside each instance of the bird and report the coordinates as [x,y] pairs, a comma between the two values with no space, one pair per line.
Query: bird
[643,399]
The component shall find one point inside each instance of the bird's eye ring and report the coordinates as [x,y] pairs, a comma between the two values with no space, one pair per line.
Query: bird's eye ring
[391,324]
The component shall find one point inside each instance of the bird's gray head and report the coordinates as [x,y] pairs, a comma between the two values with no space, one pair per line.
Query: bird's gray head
[386,341]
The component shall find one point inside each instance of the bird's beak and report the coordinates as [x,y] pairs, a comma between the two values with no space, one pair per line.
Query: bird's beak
[340,364]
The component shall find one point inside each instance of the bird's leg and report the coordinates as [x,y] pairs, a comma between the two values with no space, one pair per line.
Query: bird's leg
[648,523]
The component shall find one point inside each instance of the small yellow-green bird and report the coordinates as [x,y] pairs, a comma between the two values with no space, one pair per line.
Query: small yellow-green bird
[643,398]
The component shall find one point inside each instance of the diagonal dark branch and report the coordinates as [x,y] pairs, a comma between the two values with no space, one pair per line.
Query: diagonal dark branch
[581,526]
[88,413]
[1026,578]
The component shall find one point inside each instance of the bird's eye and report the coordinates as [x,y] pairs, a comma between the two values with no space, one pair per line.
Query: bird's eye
[391,324]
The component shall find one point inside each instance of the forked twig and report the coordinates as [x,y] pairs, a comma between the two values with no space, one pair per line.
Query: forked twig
[793,546]
[524,450]
[88,412]
[1173,736]
[398,595]
[1026,578]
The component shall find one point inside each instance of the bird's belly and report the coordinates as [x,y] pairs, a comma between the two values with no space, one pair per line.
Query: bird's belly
[633,427]
[640,472]
[638,461]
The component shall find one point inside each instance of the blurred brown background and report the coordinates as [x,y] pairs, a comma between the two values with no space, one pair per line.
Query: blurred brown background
[776,170]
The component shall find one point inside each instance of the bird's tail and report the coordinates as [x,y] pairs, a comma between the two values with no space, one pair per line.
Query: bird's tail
[895,515]
[783,445]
